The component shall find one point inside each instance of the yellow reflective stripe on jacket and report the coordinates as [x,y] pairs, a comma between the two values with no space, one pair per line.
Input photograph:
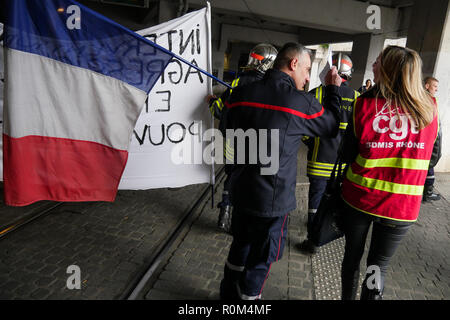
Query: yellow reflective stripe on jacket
[235,83]
[219,103]
[316,148]
[320,94]
[392,187]
[375,215]
[320,164]
[343,125]
[320,173]
[229,151]
[317,139]
[402,163]
[357,94]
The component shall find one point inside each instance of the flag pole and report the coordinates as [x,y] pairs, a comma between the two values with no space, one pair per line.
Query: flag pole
[157,46]
[213,171]
[186,62]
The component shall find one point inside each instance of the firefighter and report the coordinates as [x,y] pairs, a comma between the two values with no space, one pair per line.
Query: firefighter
[261,59]
[322,152]
[277,111]
[431,86]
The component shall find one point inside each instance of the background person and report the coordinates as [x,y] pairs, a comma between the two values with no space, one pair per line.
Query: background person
[366,87]
[384,183]
[261,59]
[262,202]
[431,85]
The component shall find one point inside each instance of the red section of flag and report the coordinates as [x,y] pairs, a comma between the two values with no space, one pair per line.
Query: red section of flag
[44,168]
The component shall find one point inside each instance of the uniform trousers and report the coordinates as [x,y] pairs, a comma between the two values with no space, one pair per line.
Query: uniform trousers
[429,181]
[257,243]
[317,188]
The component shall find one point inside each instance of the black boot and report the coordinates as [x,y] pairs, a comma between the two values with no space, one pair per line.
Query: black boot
[370,294]
[429,195]
[307,247]
[228,291]
[224,222]
[349,285]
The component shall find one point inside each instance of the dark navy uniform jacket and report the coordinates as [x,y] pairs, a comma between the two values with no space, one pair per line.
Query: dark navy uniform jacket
[275,103]
[322,152]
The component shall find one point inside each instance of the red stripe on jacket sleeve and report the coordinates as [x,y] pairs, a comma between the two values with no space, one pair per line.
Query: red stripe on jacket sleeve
[276,108]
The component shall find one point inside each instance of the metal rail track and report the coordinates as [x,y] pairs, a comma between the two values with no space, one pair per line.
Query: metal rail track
[135,288]
[27,219]
[139,284]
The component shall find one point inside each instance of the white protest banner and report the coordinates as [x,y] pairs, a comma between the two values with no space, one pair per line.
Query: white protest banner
[175,112]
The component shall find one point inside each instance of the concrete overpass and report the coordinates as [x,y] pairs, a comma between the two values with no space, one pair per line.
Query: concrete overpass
[237,25]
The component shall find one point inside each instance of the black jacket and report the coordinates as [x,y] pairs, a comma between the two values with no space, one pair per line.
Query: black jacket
[275,103]
[322,152]
[216,106]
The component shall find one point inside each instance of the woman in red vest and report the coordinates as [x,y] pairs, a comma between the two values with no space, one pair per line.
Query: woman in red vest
[388,144]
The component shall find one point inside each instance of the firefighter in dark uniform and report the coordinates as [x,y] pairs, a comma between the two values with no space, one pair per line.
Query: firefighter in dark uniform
[261,59]
[322,152]
[276,106]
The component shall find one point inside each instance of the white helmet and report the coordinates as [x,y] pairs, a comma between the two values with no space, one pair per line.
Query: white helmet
[262,57]
[343,64]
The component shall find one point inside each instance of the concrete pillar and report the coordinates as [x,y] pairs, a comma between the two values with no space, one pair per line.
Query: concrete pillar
[217,69]
[442,72]
[429,34]
[318,61]
[366,48]
[168,10]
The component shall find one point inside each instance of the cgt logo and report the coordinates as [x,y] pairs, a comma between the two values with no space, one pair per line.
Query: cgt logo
[399,125]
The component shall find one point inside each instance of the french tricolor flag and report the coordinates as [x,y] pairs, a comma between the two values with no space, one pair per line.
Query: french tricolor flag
[75,83]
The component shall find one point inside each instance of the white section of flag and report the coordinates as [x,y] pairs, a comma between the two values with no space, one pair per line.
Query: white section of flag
[64,101]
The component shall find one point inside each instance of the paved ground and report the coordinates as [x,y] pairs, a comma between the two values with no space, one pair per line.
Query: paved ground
[112,243]
[419,270]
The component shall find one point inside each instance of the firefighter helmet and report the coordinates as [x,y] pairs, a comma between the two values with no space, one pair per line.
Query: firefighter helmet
[262,57]
[343,64]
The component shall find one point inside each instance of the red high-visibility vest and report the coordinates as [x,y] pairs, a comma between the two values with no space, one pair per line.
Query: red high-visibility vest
[388,175]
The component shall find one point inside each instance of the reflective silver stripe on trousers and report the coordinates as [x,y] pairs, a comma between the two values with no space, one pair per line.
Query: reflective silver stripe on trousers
[234,268]
[312,210]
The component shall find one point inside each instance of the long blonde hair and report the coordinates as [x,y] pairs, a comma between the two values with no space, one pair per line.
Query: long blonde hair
[400,83]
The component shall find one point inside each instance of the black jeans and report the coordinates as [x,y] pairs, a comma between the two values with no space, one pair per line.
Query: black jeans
[386,236]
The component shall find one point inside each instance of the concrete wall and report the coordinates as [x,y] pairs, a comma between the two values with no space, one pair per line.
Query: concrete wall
[429,34]
[442,72]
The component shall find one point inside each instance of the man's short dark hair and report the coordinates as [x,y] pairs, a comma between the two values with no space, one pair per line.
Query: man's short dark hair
[429,79]
[287,53]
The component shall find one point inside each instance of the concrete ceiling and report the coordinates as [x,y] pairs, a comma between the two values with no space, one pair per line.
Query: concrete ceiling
[341,16]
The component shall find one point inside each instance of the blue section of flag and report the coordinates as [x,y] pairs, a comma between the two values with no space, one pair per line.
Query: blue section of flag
[50,28]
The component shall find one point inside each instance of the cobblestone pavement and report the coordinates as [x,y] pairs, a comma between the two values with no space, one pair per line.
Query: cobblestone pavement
[113,243]
[418,271]
[110,242]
